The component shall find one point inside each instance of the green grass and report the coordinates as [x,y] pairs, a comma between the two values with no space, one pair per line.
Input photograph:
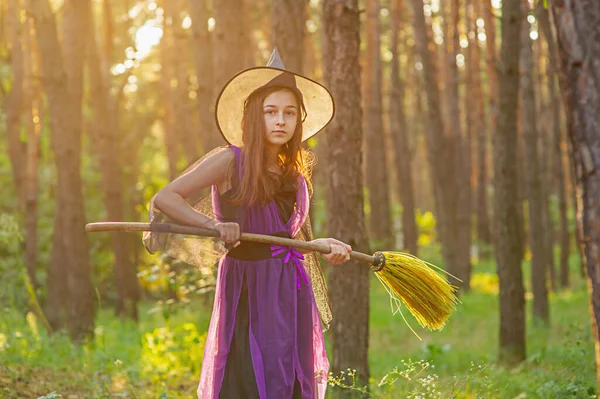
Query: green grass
[161,357]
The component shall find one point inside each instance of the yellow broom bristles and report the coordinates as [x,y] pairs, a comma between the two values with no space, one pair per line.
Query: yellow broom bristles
[426,294]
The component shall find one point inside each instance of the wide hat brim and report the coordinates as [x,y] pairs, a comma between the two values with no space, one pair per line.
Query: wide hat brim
[229,109]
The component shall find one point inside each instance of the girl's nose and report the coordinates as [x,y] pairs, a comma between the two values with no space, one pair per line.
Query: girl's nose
[281,119]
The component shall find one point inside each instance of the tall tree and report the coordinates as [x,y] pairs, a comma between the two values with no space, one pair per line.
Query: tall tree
[546,154]
[167,71]
[106,132]
[480,125]
[380,220]
[441,150]
[184,130]
[23,99]
[348,286]
[33,94]
[288,26]
[578,48]
[15,101]
[559,167]
[69,272]
[483,221]
[203,53]
[231,43]
[459,144]
[399,133]
[506,204]
[533,183]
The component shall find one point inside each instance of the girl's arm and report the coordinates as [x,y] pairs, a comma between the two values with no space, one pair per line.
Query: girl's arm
[171,199]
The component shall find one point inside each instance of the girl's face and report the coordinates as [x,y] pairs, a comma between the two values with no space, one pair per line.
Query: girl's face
[281,115]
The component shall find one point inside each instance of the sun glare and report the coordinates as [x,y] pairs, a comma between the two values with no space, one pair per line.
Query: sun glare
[147,37]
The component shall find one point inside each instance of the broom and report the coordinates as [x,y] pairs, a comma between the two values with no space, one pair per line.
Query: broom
[414,282]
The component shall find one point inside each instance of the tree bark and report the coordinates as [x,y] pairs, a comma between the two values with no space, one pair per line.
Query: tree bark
[15,102]
[33,92]
[203,55]
[533,183]
[462,186]
[168,118]
[380,220]
[185,133]
[483,219]
[441,151]
[546,158]
[288,27]
[559,144]
[482,129]
[506,204]
[69,272]
[106,133]
[578,37]
[400,137]
[348,287]
[231,43]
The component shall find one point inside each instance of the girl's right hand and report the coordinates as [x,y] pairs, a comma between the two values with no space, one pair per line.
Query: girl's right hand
[230,232]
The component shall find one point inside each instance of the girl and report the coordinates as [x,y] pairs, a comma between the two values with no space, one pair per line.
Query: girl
[265,338]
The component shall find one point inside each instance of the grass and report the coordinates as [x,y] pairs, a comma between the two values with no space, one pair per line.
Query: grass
[161,357]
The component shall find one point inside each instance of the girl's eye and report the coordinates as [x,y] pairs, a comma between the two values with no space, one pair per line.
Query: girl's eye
[291,113]
[270,112]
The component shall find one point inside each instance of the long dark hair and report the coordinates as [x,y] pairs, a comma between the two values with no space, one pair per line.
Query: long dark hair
[257,185]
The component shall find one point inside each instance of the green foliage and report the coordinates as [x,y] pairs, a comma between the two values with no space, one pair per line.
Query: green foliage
[12,269]
[162,356]
[127,360]
[172,353]
[417,380]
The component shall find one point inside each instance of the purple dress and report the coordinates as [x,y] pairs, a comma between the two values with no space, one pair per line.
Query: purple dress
[265,338]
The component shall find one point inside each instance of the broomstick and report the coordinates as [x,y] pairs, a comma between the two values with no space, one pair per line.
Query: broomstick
[426,294]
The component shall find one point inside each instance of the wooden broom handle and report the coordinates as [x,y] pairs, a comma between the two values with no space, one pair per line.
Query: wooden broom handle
[204,232]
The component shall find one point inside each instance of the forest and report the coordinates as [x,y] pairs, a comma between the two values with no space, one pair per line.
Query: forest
[466,132]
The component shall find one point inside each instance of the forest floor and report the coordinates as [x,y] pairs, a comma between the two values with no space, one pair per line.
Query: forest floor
[161,356]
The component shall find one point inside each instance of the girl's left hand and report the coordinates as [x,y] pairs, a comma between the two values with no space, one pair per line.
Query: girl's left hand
[340,251]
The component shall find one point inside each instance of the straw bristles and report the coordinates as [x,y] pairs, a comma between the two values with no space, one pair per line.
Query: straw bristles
[426,294]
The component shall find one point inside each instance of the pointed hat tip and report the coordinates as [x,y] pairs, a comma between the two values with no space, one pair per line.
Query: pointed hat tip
[275,60]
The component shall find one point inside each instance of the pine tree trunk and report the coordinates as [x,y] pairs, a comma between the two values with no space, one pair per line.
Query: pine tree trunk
[533,183]
[15,100]
[481,134]
[203,54]
[559,170]
[180,94]
[288,26]
[441,151]
[580,77]
[231,49]
[462,185]
[508,247]
[348,286]
[69,272]
[400,137]
[483,220]
[33,92]
[376,176]
[167,75]
[106,133]
[546,159]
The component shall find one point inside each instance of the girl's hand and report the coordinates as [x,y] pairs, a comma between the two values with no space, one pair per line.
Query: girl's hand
[230,232]
[340,252]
